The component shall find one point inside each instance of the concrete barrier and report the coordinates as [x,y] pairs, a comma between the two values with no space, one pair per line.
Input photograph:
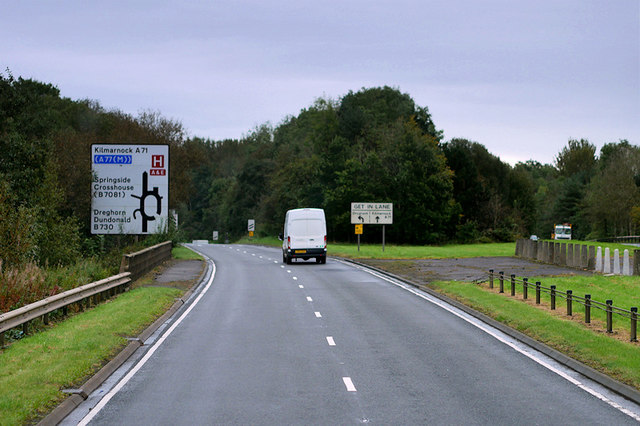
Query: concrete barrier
[578,256]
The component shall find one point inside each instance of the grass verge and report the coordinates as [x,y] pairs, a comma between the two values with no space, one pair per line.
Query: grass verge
[34,370]
[374,251]
[589,344]
[183,253]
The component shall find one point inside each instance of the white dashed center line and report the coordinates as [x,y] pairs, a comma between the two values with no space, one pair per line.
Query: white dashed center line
[301,286]
[309,299]
[318,315]
[349,384]
[330,341]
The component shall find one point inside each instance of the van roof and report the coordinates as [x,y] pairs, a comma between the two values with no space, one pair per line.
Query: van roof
[305,213]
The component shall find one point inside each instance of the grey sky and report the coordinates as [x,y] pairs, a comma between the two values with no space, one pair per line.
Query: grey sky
[520,77]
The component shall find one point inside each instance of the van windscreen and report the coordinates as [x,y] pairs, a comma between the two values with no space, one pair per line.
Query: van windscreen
[307,227]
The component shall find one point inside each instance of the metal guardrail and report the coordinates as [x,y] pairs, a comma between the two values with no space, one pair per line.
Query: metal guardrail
[141,262]
[133,266]
[570,298]
[42,308]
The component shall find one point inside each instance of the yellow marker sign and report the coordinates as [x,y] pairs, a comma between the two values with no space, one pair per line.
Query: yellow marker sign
[251,233]
[359,228]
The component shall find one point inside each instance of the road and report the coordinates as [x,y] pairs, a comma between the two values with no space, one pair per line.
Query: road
[268,343]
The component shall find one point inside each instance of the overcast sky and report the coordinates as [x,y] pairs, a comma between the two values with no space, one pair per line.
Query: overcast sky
[521,77]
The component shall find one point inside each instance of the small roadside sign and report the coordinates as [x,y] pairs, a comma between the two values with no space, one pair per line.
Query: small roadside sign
[251,225]
[359,228]
[215,235]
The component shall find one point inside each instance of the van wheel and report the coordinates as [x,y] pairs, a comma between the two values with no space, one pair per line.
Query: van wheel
[321,259]
[287,260]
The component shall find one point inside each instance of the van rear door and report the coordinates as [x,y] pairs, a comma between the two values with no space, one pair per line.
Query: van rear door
[307,233]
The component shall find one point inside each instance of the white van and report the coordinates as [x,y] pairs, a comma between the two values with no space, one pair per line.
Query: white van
[305,235]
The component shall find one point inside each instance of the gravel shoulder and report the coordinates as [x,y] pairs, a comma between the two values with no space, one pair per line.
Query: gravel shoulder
[468,269]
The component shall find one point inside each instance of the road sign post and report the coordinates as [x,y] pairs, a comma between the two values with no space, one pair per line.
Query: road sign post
[251,226]
[359,228]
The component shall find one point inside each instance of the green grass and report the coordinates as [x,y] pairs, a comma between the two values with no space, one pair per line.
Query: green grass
[183,253]
[263,241]
[34,370]
[374,251]
[623,291]
[616,358]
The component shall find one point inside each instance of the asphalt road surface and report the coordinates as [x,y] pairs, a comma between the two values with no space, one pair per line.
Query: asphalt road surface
[268,343]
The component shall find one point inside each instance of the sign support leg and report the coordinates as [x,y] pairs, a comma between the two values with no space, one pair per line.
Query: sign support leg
[358,243]
[383,237]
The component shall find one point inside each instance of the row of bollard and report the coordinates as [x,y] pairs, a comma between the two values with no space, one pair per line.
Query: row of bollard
[603,264]
[553,293]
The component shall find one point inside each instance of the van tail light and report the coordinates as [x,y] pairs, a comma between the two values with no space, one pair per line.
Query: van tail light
[325,241]
[288,242]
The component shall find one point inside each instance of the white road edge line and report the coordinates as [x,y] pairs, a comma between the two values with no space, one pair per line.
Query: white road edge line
[349,384]
[103,402]
[529,355]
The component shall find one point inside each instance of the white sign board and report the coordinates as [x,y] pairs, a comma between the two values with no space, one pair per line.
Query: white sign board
[130,189]
[251,225]
[215,235]
[372,213]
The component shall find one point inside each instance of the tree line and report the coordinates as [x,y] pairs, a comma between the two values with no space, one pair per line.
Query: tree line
[373,145]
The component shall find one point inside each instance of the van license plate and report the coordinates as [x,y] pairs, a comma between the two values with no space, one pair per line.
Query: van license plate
[301,251]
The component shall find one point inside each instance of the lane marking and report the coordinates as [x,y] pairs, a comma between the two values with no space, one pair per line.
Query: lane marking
[295,278]
[288,271]
[318,314]
[301,286]
[330,341]
[528,353]
[309,299]
[103,402]
[349,384]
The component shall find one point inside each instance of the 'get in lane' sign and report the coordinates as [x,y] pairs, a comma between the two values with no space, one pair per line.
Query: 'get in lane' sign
[130,189]
[372,213]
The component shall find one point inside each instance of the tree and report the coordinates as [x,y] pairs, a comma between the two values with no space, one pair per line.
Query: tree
[614,191]
[578,157]
[495,201]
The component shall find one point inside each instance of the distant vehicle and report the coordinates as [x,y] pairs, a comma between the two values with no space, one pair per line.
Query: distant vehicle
[561,232]
[533,238]
[305,235]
